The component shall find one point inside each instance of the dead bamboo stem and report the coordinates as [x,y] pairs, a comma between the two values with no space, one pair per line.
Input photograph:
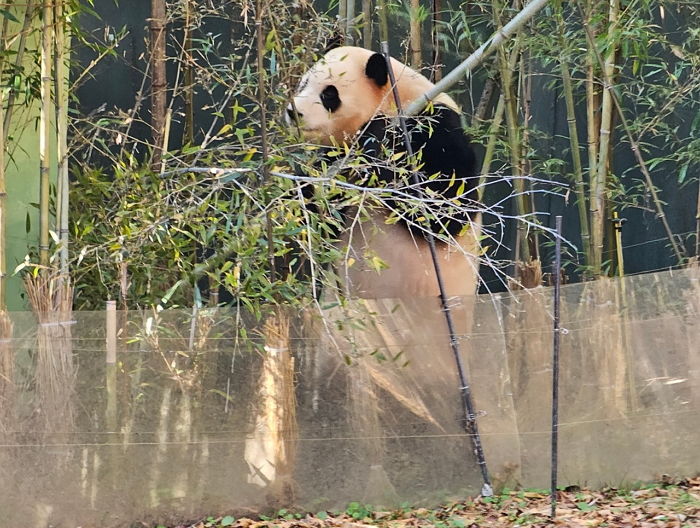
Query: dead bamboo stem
[189,76]
[157,28]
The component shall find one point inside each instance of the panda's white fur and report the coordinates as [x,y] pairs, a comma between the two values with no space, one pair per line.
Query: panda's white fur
[344,68]
[410,271]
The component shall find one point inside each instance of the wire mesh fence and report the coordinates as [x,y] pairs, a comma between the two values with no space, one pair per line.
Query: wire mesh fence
[212,410]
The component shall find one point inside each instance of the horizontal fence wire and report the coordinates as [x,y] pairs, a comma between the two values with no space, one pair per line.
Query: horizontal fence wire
[246,434]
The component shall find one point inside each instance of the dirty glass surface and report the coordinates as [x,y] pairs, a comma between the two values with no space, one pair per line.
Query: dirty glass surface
[212,411]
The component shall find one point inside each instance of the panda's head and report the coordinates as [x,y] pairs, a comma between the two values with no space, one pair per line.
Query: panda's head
[347,88]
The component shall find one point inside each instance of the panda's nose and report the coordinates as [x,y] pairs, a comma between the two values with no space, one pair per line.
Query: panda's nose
[292,114]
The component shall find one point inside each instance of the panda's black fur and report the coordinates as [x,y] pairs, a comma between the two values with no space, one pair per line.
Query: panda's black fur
[446,169]
[446,166]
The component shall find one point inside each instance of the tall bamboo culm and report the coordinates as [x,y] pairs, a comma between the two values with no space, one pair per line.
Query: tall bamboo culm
[599,183]
[7,359]
[45,130]
[61,107]
[526,270]
[343,17]
[157,28]
[367,19]
[436,73]
[383,13]
[579,184]
[3,206]
[415,35]
[350,22]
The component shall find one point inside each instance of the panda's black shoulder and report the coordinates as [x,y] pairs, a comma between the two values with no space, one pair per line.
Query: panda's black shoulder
[437,132]
[446,147]
[448,165]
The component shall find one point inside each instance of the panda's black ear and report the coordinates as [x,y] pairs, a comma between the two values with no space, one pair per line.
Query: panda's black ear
[376,69]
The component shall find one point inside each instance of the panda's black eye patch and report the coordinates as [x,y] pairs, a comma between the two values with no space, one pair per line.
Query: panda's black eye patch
[330,98]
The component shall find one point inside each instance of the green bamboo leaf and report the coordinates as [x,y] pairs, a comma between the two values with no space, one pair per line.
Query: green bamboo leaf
[5,13]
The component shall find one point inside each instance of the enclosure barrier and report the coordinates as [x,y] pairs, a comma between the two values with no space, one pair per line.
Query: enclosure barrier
[212,411]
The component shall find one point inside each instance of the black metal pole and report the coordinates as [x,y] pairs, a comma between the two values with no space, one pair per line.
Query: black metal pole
[470,424]
[555,366]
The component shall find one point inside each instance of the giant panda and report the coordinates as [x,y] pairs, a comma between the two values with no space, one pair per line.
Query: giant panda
[346,98]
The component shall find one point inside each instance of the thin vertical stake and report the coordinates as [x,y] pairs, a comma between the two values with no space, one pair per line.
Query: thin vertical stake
[111,332]
[555,366]
[470,424]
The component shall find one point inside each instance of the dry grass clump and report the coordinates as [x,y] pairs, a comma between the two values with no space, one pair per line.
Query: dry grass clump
[50,296]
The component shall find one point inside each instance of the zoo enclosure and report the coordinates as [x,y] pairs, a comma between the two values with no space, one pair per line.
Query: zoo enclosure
[212,411]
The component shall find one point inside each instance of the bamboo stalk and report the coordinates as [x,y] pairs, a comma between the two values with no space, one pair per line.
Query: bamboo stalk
[367,27]
[494,42]
[343,17]
[491,146]
[415,35]
[61,100]
[599,184]
[3,200]
[262,94]
[506,67]
[21,47]
[436,72]
[579,187]
[350,17]
[383,21]
[636,150]
[592,96]
[484,101]
[525,165]
[157,27]
[45,130]
[3,212]
[189,76]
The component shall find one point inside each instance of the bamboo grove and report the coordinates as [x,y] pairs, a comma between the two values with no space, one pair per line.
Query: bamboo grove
[621,77]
